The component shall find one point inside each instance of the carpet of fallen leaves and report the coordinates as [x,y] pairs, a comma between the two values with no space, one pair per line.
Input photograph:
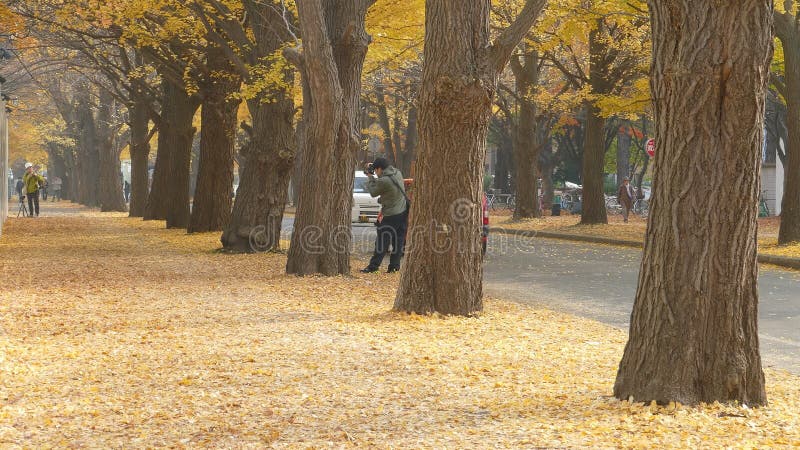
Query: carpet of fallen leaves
[635,229]
[117,333]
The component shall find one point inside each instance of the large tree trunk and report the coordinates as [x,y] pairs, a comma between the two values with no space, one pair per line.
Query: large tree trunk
[264,183]
[110,193]
[443,271]
[693,333]
[211,209]
[788,30]
[140,156]
[335,44]
[268,155]
[169,196]
[409,153]
[593,194]
[526,147]
[87,154]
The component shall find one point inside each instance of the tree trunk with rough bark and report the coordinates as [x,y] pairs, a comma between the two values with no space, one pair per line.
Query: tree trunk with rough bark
[787,29]
[594,152]
[526,147]
[211,208]
[409,153]
[87,161]
[140,156]
[110,194]
[169,195]
[334,47]
[442,271]
[269,153]
[694,333]
[264,183]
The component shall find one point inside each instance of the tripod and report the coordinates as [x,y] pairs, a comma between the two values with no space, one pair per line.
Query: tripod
[22,208]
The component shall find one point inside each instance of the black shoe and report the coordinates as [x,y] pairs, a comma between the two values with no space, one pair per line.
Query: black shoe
[369,270]
[393,269]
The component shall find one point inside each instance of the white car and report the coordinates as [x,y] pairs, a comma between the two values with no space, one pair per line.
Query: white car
[365,207]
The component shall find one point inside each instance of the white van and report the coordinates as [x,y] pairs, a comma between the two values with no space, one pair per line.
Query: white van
[365,207]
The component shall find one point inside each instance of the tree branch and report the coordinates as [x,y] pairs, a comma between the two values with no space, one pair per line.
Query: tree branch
[504,45]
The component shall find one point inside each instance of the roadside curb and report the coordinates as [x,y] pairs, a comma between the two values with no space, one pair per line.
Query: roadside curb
[791,263]
[567,237]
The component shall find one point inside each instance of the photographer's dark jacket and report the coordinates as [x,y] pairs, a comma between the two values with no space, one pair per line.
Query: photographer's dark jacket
[392,200]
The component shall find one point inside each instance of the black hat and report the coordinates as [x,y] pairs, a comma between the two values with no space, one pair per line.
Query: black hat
[380,163]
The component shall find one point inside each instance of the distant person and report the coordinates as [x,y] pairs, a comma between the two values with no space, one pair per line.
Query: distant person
[626,197]
[126,189]
[32,182]
[43,190]
[56,188]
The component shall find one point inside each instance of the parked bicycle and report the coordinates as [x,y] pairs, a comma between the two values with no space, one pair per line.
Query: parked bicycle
[641,207]
[571,201]
[763,207]
[613,205]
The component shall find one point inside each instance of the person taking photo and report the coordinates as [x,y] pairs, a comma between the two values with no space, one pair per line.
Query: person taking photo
[32,181]
[386,183]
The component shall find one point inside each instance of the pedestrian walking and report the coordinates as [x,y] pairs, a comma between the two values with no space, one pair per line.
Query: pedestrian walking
[32,181]
[126,189]
[626,197]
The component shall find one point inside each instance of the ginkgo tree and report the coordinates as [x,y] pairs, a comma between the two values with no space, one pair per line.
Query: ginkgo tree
[254,47]
[787,30]
[602,48]
[331,62]
[442,271]
[694,327]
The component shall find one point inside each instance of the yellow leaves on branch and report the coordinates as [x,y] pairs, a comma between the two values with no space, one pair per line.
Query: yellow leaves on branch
[397,28]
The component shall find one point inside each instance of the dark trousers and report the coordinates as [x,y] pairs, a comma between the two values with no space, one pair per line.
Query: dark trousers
[391,233]
[33,201]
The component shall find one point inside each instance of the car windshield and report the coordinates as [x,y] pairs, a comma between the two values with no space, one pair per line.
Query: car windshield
[360,185]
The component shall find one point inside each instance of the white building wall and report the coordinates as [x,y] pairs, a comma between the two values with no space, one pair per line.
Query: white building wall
[779,182]
[768,186]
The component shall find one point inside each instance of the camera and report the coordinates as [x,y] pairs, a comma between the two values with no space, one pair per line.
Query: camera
[370,170]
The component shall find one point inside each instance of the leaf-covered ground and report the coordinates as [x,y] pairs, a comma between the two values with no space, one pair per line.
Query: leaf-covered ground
[117,333]
[635,229]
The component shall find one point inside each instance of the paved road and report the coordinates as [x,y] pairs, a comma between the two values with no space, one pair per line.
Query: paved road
[599,282]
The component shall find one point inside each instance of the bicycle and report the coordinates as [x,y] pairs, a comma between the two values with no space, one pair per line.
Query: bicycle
[763,207]
[612,205]
[641,207]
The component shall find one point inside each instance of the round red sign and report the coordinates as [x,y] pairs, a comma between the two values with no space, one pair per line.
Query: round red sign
[651,147]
